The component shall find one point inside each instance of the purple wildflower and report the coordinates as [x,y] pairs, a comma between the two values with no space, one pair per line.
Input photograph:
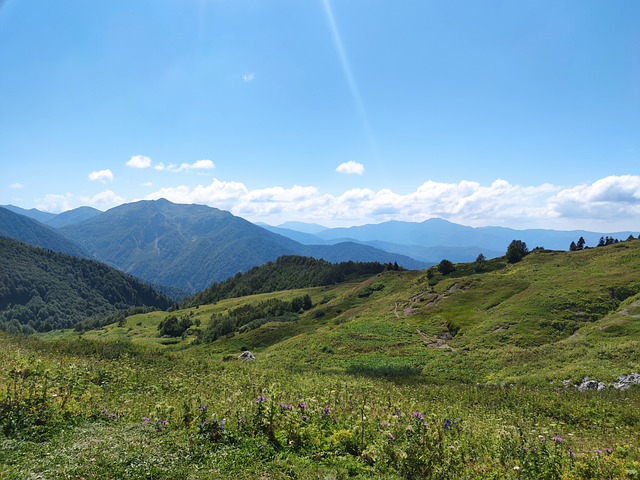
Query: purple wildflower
[162,422]
[608,450]
[285,406]
[302,406]
[557,439]
[111,415]
[384,424]
[598,451]
[204,407]
[572,454]
[326,411]
[261,398]
[146,419]
[391,436]
[418,415]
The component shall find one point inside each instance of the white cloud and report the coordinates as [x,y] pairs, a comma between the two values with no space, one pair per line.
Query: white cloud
[248,77]
[104,176]
[103,200]
[607,205]
[55,203]
[198,165]
[351,167]
[16,186]
[147,184]
[139,161]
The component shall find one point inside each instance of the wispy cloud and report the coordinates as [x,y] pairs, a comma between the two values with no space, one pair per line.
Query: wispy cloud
[104,176]
[248,77]
[139,161]
[350,167]
[16,186]
[198,165]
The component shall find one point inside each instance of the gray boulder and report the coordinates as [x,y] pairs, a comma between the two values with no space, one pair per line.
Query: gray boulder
[246,355]
[587,384]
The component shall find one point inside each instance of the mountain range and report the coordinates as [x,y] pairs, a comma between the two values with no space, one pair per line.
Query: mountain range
[434,239]
[188,247]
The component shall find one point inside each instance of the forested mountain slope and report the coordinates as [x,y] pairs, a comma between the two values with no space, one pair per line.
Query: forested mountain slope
[42,290]
[192,246]
[28,230]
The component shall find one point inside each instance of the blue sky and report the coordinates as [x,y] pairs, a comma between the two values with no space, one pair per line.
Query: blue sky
[340,112]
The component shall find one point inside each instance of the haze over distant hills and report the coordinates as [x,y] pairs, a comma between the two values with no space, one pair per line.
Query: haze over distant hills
[190,246]
[435,239]
[28,230]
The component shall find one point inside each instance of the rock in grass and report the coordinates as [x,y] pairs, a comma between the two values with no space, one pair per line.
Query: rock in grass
[625,381]
[587,384]
[246,355]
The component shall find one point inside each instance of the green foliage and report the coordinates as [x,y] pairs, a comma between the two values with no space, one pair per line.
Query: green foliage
[189,415]
[445,267]
[173,326]
[248,317]
[286,273]
[516,251]
[44,290]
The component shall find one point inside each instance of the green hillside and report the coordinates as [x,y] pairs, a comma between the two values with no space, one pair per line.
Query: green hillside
[401,374]
[286,273]
[41,290]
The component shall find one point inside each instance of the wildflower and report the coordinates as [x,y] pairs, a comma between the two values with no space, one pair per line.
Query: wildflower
[391,436]
[163,422]
[103,411]
[447,424]
[111,415]
[305,418]
[285,406]
[326,411]
[204,407]
[261,398]
[598,451]
[557,439]
[146,419]
[302,406]
[384,424]
[418,415]
[608,450]
[516,468]
[542,440]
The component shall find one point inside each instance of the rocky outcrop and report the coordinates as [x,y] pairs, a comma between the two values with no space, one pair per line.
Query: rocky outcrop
[625,381]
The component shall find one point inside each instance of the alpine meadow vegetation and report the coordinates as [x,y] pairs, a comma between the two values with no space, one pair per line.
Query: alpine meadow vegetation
[396,374]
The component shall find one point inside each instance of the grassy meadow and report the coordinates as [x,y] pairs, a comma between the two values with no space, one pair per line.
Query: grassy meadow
[398,375]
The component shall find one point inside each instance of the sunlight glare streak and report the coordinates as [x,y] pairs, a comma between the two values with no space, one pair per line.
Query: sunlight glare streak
[351,81]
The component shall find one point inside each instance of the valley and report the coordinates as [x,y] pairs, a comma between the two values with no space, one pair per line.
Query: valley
[388,374]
